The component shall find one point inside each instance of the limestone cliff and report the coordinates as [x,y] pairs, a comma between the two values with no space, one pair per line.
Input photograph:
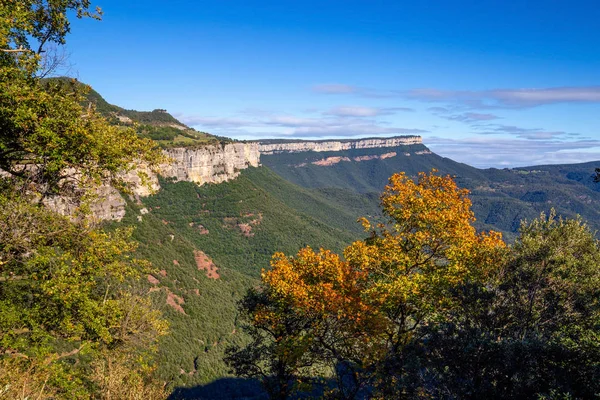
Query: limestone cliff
[209,164]
[268,147]
[220,163]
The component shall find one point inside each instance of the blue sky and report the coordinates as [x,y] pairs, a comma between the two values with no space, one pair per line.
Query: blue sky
[488,83]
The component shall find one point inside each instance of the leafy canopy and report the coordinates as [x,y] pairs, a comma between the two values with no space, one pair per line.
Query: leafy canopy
[74,321]
[532,331]
[46,136]
[426,307]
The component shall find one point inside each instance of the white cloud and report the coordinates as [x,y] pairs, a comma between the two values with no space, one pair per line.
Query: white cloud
[488,152]
[359,111]
[522,133]
[335,88]
[508,98]
[481,99]
[193,120]
[533,97]
[471,117]
[351,121]
[351,130]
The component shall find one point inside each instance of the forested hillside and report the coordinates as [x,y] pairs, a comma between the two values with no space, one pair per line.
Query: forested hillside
[208,245]
[157,124]
[73,321]
[501,197]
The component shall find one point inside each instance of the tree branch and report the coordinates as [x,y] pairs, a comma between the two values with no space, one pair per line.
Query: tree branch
[19,50]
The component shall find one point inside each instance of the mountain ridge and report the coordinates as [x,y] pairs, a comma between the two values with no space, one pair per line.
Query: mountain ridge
[272,146]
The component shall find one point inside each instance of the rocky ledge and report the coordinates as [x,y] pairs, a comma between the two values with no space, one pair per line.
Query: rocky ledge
[268,147]
[209,164]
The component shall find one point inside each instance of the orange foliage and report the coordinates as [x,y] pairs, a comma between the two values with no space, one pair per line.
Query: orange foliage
[428,245]
[319,284]
[393,281]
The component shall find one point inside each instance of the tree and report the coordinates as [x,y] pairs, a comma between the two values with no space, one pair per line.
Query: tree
[310,317]
[428,248]
[46,137]
[363,312]
[426,307]
[73,321]
[66,295]
[533,330]
[277,353]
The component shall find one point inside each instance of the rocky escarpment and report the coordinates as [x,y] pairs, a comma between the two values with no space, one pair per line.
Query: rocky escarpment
[325,162]
[209,164]
[223,162]
[269,147]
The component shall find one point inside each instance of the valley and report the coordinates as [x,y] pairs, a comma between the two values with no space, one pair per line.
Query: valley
[220,214]
[209,242]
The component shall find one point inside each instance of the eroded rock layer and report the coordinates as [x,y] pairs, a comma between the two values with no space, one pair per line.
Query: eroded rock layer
[271,147]
[211,164]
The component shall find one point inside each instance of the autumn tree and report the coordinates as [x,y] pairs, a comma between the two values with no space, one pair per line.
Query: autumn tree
[426,307]
[278,353]
[73,323]
[428,247]
[362,312]
[310,318]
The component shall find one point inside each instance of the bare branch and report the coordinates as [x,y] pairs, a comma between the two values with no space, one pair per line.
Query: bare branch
[55,62]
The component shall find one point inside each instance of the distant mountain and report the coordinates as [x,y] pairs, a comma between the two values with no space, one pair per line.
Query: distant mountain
[501,198]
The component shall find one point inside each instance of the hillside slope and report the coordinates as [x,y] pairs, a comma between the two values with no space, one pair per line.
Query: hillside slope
[157,124]
[209,243]
[501,198]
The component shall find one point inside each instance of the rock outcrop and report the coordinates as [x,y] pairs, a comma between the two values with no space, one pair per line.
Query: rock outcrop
[273,147]
[220,163]
[211,164]
[328,161]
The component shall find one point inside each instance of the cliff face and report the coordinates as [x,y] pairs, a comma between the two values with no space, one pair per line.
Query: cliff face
[220,163]
[268,148]
[210,164]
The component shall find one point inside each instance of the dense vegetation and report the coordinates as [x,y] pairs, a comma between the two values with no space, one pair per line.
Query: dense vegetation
[73,321]
[157,125]
[238,225]
[428,308]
